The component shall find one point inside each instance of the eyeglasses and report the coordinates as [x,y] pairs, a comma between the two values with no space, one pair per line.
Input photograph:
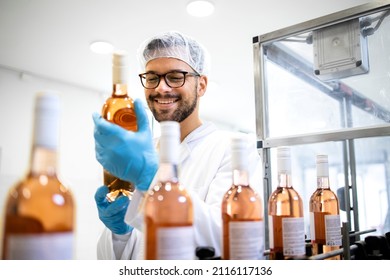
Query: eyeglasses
[173,79]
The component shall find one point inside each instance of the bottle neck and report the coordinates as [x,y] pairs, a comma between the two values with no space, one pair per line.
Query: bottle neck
[120,74]
[167,172]
[285,180]
[322,174]
[323,183]
[284,172]
[45,135]
[119,90]
[240,177]
[169,152]
[43,161]
[239,162]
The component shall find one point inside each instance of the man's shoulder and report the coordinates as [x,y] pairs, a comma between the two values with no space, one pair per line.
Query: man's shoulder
[221,138]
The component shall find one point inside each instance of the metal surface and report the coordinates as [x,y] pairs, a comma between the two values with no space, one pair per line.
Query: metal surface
[347,197]
[347,250]
[352,172]
[266,191]
[259,88]
[324,21]
[337,135]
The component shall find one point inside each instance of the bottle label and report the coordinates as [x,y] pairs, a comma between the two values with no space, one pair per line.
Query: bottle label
[246,240]
[271,231]
[332,230]
[327,227]
[293,236]
[58,246]
[175,243]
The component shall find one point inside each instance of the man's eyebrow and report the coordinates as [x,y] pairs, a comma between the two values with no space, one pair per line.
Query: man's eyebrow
[172,70]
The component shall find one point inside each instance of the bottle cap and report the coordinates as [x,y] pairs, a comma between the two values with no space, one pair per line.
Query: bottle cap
[322,159]
[120,67]
[322,166]
[47,119]
[284,152]
[239,147]
[169,142]
[284,160]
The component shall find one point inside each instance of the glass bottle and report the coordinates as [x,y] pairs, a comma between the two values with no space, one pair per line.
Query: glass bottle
[242,212]
[119,109]
[39,209]
[168,206]
[285,208]
[325,226]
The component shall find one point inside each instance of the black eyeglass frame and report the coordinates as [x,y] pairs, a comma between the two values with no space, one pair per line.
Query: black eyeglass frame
[185,74]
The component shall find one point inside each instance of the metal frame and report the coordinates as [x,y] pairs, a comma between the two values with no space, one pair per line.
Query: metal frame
[346,135]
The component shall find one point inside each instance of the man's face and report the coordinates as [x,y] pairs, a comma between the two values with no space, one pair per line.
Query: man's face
[172,104]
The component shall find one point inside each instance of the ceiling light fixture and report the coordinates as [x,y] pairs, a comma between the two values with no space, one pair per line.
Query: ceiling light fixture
[101,47]
[200,8]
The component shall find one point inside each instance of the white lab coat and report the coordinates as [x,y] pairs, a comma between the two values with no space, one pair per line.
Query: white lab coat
[205,170]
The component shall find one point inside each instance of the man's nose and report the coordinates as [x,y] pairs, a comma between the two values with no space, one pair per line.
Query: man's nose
[163,86]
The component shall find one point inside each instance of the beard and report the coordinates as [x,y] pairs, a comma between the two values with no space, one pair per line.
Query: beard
[185,108]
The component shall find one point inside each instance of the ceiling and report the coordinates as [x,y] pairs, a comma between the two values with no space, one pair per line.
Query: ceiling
[51,38]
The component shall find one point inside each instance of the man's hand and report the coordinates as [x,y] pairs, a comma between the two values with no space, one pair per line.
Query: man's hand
[128,155]
[112,214]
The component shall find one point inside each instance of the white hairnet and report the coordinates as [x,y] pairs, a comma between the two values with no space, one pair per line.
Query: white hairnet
[175,45]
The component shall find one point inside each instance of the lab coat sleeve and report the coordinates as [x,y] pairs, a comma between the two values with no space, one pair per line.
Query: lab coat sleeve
[111,247]
[127,248]
[105,249]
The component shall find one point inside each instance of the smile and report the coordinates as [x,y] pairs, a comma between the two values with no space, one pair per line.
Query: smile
[166,100]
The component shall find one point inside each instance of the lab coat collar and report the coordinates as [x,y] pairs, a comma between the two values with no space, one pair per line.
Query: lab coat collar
[188,143]
[197,134]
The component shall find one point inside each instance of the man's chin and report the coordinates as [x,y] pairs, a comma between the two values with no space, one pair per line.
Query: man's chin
[163,117]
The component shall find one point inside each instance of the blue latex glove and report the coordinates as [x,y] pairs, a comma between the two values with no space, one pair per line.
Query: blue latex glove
[128,155]
[112,214]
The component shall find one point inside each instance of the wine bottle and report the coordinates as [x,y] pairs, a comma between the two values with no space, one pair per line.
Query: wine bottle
[39,209]
[168,206]
[119,109]
[285,208]
[325,227]
[242,212]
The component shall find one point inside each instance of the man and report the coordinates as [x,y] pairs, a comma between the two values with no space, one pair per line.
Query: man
[175,78]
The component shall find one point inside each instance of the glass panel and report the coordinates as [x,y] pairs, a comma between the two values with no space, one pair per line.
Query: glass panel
[373,183]
[296,107]
[329,78]
[372,178]
[304,174]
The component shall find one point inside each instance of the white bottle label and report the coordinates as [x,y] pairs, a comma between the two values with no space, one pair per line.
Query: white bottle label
[293,236]
[271,231]
[333,230]
[246,240]
[58,246]
[175,243]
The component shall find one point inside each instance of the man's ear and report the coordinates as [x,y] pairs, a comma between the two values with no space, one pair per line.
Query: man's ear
[202,82]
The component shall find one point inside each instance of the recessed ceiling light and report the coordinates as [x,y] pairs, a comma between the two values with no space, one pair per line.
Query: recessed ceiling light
[200,8]
[101,47]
